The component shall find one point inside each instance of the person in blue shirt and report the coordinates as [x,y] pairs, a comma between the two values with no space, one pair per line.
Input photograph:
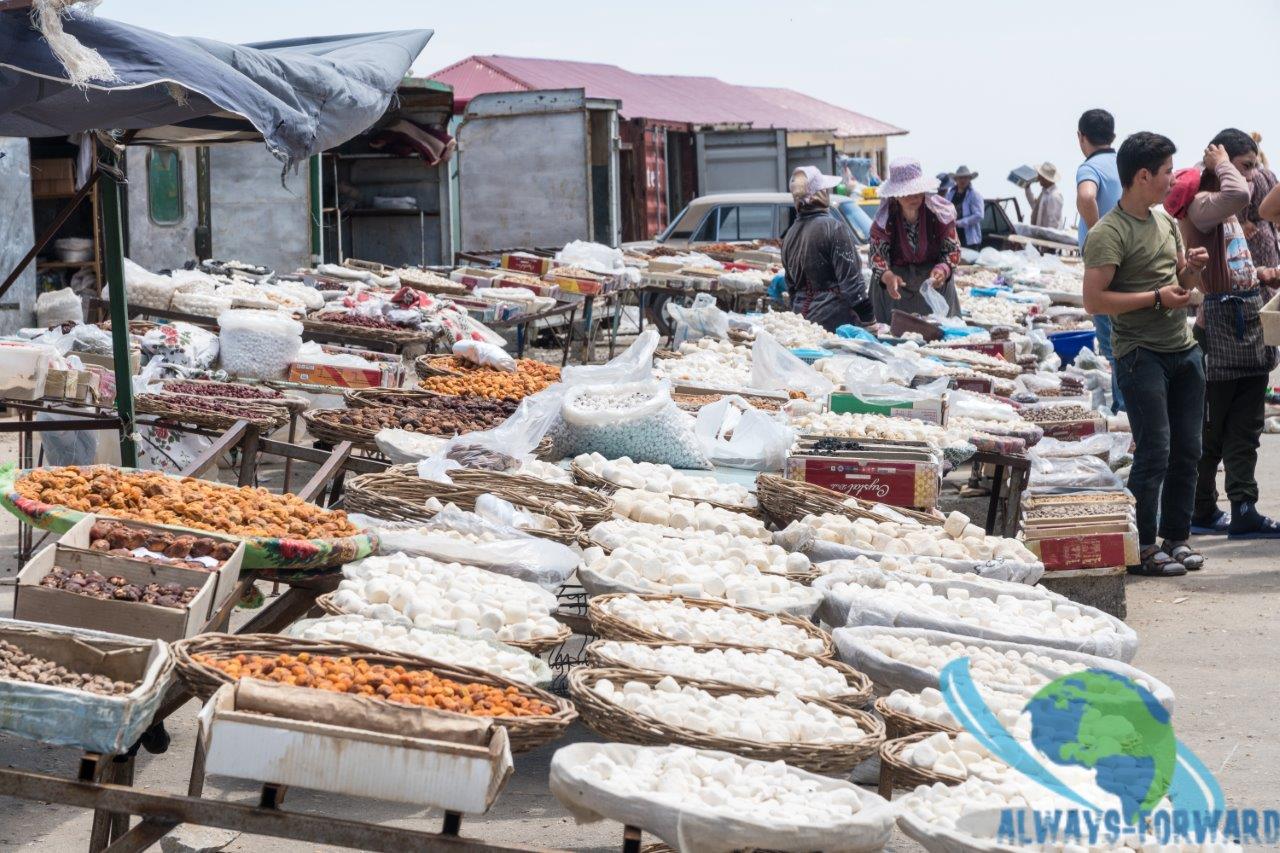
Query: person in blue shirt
[1097,192]
[969,206]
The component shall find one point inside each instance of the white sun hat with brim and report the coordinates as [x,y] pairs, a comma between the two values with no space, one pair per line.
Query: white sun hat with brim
[907,177]
[807,181]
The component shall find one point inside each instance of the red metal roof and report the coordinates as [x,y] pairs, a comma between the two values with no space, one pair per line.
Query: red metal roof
[662,97]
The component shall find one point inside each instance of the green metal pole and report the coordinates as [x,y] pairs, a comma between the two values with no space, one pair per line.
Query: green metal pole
[317,210]
[113,254]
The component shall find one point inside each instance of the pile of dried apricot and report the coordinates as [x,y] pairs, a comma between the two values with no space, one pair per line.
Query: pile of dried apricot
[183,502]
[419,687]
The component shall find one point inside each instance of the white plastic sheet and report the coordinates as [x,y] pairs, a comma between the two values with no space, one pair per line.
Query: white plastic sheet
[697,828]
[774,368]
[735,434]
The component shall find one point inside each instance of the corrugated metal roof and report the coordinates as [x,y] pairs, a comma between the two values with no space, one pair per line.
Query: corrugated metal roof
[663,97]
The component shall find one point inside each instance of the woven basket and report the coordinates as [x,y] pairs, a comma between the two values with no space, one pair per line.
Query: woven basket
[525,733]
[397,495]
[585,478]
[858,696]
[536,646]
[320,424]
[293,404]
[363,333]
[624,726]
[784,501]
[405,398]
[897,774]
[263,415]
[899,725]
[608,627]
[422,365]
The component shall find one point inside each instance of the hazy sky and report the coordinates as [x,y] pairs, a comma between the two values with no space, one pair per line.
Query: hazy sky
[992,84]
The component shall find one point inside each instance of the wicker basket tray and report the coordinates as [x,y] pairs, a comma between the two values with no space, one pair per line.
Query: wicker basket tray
[399,496]
[446,365]
[264,415]
[622,725]
[408,398]
[293,404]
[585,478]
[858,695]
[535,646]
[320,425]
[899,725]
[897,774]
[608,627]
[364,333]
[784,501]
[525,733]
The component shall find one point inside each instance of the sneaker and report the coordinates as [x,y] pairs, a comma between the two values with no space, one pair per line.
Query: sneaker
[1248,523]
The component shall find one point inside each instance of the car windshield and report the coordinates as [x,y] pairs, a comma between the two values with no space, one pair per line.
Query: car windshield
[675,223]
[857,218]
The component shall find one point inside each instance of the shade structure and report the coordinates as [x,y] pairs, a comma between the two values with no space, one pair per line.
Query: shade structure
[299,96]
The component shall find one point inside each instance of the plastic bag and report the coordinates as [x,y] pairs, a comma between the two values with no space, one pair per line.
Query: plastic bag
[402,447]
[937,303]
[591,256]
[485,354]
[854,647]
[701,320]
[56,307]
[69,447]
[182,344]
[258,344]
[635,419]
[774,368]
[966,404]
[145,288]
[1080,472]
[755,440]
[869,389]
[692,826]
[508,551]
[634,364]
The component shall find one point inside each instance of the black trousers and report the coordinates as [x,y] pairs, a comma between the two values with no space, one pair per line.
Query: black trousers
[1234,418]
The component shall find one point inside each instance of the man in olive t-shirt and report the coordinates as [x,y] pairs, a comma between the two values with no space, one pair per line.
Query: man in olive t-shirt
[1137,272]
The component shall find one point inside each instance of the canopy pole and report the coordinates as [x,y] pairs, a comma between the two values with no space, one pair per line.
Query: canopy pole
[317,210]
[113,255]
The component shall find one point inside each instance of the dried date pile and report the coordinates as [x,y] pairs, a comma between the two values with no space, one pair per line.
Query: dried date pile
[445,416]
[258,411]
[360,320]
[94,585]
[17,665]
[174,549]
[233,390]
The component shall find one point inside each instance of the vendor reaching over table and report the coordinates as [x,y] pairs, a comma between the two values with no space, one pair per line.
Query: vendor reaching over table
[913,244]
[824,272]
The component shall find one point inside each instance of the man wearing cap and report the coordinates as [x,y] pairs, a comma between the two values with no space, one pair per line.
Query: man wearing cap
[969,207]
[1046,208]
[823,270]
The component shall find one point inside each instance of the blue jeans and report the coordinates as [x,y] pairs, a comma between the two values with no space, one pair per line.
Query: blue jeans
[1102,328]
[1165,394]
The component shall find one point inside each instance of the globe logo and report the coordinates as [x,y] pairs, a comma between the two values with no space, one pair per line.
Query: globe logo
[1096,719]
[1107,723]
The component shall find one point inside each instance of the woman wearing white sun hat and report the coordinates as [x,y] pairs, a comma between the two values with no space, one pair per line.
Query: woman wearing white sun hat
[913,244]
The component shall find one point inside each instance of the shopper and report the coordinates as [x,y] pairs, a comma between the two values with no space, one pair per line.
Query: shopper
[1137,272]
[1097,191]
[1262,234]
[968,205]
[1046,208]
[824,272]
[1237,361]
[913,244]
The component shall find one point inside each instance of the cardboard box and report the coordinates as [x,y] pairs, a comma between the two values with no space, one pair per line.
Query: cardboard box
[910,483]
[1007,350]
[1086,550]
[933,411]
[978,384]
[1270,315]
[580,286]
[388,371]
[109,362]
[132,618]
[522,262]
[1073,430]
[24,370]
[359,762]
[474,277]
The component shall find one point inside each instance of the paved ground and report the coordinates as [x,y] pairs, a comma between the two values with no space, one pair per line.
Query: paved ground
[1212,636]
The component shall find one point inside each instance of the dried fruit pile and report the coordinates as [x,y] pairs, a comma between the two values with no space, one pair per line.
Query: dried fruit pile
[233,390]
[17,665]
[94,585]
[184,502]
[449,416]
[1057,412]
[495,384]
[419,687]
[174,405]
[174,549]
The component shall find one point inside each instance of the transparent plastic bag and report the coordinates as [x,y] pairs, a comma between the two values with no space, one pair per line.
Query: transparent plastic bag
[634,419]
[1081,472]
[937,303]
[773,368]
[871,391]
[485,354]
[701,320]
[69,447]
[55,307]
[734,433]
[966,404]
[258,344]
[633,364]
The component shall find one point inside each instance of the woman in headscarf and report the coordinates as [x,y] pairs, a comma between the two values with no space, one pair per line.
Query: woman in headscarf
[823,270]
[913,244]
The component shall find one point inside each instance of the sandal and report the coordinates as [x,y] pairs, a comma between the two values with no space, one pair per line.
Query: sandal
[1215,526]
[1248,523]
[1157,564]
[1181,552]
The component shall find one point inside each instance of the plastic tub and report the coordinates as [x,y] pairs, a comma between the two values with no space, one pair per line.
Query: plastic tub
[1068,344]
